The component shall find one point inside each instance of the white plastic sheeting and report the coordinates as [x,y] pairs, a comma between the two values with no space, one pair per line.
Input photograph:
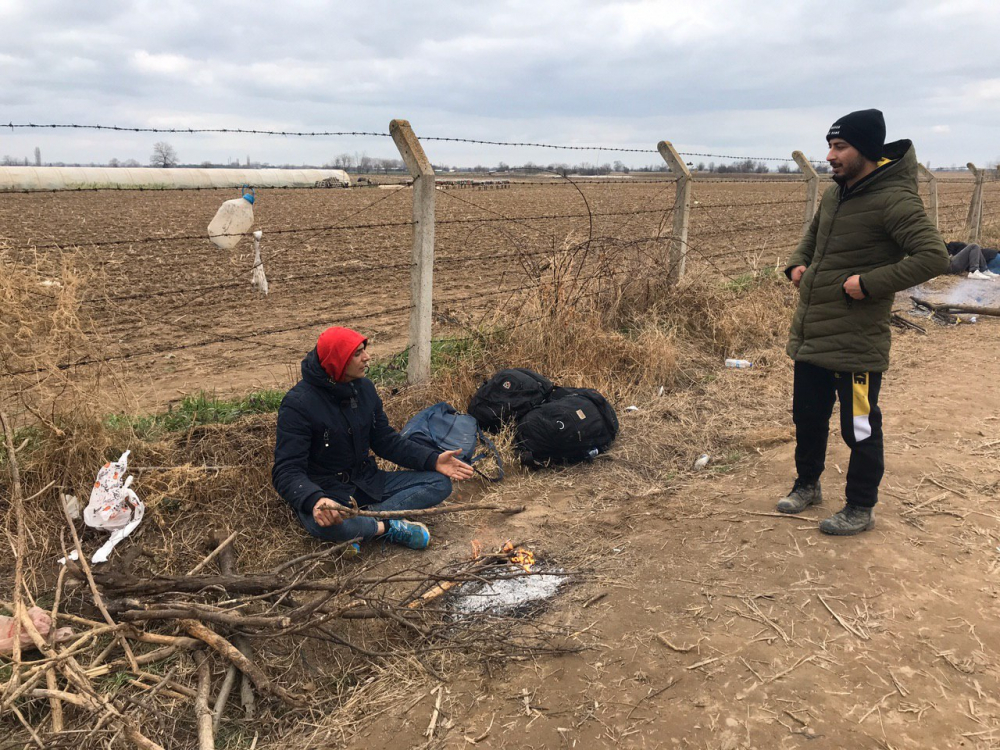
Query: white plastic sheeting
[69,178]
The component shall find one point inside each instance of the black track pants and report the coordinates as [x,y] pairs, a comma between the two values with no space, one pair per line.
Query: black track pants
[815,390]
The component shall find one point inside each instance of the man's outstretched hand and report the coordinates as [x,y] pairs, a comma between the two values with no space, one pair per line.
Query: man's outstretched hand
[452,467]
[328,513]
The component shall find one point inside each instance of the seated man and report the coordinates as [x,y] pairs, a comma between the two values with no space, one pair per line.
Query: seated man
[972,258]
[327,423]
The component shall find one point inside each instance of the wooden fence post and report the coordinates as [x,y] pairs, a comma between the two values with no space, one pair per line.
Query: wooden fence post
[422,276]
[974,221]
[927,174]
[682,209]
[812,186]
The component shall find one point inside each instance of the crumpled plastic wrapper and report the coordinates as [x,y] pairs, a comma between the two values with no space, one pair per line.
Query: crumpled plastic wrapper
[42,622]
[257,277]
[113,506]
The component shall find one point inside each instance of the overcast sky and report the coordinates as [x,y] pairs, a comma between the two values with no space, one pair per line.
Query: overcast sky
[717,76]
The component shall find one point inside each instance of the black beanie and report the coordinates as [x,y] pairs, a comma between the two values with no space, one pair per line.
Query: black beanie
[864,129]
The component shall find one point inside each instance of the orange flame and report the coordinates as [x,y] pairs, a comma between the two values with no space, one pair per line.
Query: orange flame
[523,557]
[477,549]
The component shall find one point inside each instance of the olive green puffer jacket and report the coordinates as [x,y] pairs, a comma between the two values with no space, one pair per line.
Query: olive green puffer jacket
[878,229]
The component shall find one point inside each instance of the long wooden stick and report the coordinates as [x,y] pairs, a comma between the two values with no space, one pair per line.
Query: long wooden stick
[50,675]
[206,736]
[973,309]
[435,511]
[227,565]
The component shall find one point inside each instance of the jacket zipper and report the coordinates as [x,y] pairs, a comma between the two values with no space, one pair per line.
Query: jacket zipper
[836,211]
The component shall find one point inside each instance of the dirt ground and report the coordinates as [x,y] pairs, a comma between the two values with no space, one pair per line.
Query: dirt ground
[721,624]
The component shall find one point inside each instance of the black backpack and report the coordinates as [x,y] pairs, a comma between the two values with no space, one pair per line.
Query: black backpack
[574,425]
[508,395]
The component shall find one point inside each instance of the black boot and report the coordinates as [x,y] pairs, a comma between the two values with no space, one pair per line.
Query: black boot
[801,497]
[853,519]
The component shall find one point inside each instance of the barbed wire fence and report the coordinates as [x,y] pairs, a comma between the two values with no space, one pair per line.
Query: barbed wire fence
[164,300]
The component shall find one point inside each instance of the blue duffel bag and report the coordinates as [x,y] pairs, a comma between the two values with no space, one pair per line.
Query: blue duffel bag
[442,428]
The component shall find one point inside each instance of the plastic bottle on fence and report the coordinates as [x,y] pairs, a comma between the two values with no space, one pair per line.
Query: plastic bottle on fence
[233,219]
[739,364]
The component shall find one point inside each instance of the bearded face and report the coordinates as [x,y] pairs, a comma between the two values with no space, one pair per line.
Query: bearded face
[845,161]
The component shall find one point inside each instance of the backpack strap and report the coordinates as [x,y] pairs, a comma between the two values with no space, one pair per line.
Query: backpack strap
[496,456]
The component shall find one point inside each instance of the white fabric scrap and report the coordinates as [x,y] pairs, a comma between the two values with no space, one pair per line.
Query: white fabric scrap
[257,277]
[113,506]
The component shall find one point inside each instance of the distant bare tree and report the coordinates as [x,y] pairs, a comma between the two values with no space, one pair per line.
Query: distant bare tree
[38,157]
[164,155]
[113,162]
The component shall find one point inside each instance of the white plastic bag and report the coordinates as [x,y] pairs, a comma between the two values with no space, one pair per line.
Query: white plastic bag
[233,219]
[113,506]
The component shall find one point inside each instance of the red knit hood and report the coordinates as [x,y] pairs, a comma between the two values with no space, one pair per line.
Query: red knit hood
[335,347]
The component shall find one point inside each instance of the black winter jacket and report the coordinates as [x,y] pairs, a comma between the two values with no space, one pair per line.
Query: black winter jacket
[325,431]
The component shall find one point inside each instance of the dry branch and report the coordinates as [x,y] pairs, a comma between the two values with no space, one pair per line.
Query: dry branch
[206,736]
[228,651]
[945,307]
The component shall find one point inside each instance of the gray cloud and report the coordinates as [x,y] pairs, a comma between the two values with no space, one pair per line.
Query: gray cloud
[717,76]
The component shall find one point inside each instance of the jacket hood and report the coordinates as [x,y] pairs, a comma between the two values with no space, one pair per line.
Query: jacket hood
[901,171]
[314,374]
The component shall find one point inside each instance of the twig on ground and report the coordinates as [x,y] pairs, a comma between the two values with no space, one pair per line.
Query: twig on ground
[212,555]
[744,693]
[429,732]
[650,696]
[679,649]
[874,707]
[839,619]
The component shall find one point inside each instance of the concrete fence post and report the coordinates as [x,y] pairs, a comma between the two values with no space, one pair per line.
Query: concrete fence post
[932,209]
[974,221]
[682,209]
[812,186]
[422,276]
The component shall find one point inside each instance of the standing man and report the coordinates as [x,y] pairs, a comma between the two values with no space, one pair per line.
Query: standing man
[869,239]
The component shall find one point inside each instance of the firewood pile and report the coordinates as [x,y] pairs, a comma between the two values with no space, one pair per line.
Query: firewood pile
[170,661]
[205,640]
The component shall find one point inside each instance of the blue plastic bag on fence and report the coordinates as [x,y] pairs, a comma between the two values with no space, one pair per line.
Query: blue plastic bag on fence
[444,429]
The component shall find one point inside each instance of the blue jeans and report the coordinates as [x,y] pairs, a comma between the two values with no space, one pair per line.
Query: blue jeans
[404,490]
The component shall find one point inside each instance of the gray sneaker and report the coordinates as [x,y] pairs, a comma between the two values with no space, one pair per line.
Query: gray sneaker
[801,497]
[853,519]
